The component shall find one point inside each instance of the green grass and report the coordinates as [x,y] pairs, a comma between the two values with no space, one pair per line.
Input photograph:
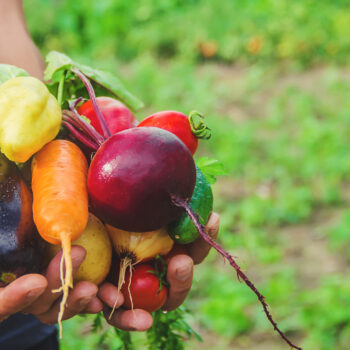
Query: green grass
[262,31]
[281,132]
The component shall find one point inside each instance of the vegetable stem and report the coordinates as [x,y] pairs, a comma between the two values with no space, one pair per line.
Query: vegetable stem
[60,90]
[88,128]
[199,129]
[97,109]
[241,275]
[80,136]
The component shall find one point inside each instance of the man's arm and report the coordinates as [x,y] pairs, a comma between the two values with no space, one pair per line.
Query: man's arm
[16,46]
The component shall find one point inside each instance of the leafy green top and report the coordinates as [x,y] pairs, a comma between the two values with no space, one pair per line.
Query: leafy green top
[59,72]
[210,168]
[170,330]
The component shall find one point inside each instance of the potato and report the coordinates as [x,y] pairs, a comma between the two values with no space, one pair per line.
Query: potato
[98,248]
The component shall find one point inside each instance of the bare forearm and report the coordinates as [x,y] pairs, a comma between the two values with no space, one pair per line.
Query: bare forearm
[16,46]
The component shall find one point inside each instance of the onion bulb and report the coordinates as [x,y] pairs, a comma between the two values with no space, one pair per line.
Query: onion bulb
[138,246]
[134,247]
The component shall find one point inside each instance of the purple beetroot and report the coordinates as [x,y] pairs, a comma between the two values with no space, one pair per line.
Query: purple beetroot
[134,174]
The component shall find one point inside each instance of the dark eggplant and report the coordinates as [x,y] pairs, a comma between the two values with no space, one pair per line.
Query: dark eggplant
[20,245]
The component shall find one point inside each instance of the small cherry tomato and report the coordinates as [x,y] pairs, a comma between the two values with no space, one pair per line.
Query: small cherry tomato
[145,290]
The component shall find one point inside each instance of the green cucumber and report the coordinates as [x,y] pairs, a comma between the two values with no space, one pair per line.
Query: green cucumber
[182,230]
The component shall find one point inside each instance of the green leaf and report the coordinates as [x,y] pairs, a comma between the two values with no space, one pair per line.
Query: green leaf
[97,322]
[170,330]
[103,82]
[56,62]
[211,168]
[8,72]
[125,338]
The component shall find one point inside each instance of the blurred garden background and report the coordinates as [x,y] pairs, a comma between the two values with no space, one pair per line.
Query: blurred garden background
[273,79]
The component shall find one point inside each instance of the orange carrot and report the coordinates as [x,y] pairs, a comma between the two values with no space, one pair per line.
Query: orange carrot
[60,202]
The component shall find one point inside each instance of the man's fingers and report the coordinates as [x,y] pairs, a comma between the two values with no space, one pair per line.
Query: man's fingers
[21,293]
[129,320]
[79,297]
[94,307]
[110,296]
[199,249]
[179,276]
[53,277]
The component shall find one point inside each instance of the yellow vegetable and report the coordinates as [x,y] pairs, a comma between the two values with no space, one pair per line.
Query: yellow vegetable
[140,246]
[97,244]
[30,117]
[134,247]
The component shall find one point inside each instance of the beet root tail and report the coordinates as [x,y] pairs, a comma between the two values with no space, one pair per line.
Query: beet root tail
[240,274]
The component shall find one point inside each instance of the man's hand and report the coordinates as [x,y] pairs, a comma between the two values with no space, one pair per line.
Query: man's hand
[180,274]
[33,293]
[20,294]
[82,298]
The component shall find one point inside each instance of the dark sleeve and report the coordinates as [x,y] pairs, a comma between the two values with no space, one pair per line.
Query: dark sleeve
[20,332]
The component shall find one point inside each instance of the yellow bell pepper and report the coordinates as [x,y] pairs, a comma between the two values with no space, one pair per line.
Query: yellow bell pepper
[30,117]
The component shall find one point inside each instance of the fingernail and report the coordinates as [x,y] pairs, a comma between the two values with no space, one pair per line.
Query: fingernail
[214,219]
[184,272]
[35,292]
[85,301]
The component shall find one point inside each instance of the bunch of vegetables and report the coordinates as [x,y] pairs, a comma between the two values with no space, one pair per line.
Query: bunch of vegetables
[101,179]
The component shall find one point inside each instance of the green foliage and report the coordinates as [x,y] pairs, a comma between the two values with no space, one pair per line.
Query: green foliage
[262,31]
[339,237]
[211,168]
[170,331]
[326,315]
[60,72]
[221,317]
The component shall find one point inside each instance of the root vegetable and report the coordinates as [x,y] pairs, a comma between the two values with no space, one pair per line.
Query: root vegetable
[133,175]
[135,247]
[60,201]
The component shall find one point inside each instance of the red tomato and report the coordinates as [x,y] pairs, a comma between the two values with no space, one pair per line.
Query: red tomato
[175,122]
[117,115]
[144,289]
